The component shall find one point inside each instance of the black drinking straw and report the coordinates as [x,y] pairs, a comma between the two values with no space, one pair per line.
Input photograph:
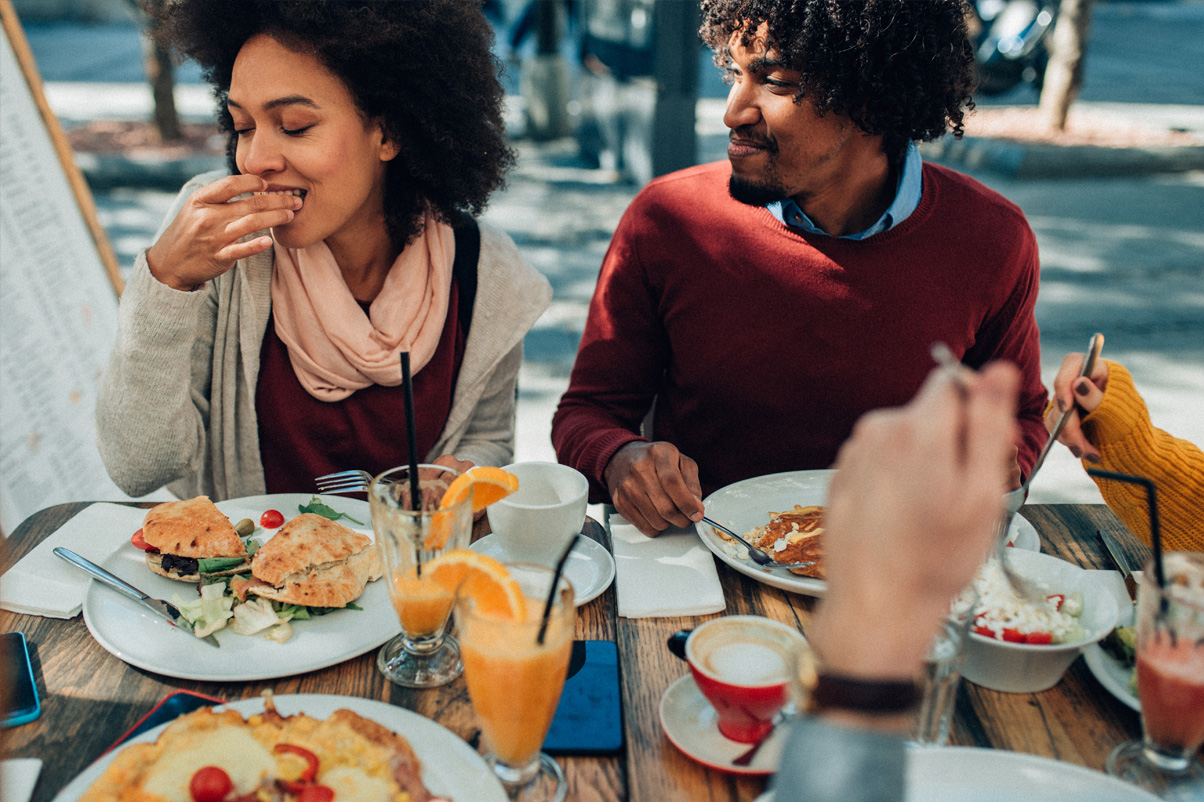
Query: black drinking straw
[1151,498]
[412,441]
[547,608]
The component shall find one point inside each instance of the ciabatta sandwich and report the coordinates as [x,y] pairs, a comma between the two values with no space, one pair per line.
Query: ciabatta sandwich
[314,562]
[182,533]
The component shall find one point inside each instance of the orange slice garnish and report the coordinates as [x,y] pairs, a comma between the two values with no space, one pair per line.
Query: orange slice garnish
[482,579]
[483,484]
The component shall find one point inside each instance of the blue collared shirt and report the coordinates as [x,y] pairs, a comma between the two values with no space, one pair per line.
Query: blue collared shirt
[907,200]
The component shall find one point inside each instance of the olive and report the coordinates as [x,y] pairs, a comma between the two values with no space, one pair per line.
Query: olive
[244,527]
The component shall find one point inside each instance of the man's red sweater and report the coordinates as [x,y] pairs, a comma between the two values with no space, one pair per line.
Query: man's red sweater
[762,345]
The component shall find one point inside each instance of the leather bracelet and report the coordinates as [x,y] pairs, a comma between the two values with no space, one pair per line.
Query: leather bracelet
[836,692]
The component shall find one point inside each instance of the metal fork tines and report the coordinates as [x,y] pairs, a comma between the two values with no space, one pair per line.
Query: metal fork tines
[353,481]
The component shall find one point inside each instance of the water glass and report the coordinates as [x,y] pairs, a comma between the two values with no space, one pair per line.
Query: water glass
[410,536]
[943,673]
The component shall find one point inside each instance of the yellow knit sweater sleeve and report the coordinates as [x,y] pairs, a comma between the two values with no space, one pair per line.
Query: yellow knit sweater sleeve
[1120,428]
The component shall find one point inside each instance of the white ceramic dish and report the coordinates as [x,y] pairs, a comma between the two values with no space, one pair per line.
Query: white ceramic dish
[1112,673]
[1029,668]
[450,767]
[139,638]
[692,725]
[967,774]
[590,568]
[747,504]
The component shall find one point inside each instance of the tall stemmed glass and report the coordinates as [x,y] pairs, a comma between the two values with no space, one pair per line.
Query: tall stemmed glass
[1170,682]
[515,671]
[410,536]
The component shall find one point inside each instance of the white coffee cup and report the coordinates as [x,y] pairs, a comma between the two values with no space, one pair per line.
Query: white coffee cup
[536,522]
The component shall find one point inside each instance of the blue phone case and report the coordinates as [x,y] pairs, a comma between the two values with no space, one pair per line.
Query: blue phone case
[26,689]
[589,718]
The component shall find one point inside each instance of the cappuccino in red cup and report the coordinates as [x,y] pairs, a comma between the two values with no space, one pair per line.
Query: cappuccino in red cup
[746,666]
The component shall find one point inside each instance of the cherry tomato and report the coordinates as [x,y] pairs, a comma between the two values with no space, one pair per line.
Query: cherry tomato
[986,632]
[210,784]
[1058,599]
[271,519]
[1039,638]
[140,542]
[316,793]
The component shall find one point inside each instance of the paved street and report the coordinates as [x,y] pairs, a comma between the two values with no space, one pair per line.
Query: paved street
[1124,255]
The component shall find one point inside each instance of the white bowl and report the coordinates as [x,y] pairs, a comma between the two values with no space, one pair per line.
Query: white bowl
[1028,668]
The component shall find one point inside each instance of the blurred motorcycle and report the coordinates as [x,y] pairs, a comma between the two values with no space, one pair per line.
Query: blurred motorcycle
[1010,38]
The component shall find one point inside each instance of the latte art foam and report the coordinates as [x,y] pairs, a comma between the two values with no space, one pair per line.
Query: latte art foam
[747,663]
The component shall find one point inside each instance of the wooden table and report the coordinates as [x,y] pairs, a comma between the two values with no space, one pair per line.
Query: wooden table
[90,697]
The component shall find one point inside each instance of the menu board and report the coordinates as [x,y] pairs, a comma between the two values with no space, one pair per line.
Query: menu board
[58,302]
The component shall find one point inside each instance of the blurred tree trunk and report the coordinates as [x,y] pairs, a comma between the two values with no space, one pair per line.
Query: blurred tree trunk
[160,72]
[1064,75]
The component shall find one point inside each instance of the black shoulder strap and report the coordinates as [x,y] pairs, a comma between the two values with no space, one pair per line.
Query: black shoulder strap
[464,268]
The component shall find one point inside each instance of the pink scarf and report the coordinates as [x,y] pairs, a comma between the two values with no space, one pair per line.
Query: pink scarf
[335,349]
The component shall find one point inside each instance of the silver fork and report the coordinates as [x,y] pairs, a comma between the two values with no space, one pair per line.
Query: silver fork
[755,554]
[353,481]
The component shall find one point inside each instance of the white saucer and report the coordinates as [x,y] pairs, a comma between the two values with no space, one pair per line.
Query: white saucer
[590,568]
[692,725]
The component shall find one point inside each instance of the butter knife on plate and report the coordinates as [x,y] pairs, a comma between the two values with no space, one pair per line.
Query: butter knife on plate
[167,612]
[1120,561]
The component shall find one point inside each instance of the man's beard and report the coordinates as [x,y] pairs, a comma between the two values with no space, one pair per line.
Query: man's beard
[756,193]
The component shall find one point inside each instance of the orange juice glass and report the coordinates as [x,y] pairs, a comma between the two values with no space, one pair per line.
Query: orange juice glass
[514,680]
[424,655]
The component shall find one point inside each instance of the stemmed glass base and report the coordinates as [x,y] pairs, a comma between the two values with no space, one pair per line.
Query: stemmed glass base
[540,781]
[1167,776]
[403,664]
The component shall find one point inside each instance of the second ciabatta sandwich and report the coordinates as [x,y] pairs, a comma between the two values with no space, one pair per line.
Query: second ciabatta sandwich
[314,562]
[183,533]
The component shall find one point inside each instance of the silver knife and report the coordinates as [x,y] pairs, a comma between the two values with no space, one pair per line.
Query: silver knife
[1119,559]
[167,612]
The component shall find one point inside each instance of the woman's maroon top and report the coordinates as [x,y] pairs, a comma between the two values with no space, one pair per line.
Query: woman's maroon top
[301,437]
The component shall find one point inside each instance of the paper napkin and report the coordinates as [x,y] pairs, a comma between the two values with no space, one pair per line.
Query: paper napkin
[18,776]
[669,575]
[42,583]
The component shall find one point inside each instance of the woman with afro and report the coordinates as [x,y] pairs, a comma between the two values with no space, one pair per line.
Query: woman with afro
[259,335]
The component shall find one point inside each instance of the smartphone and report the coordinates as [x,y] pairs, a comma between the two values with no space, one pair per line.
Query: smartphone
[589,719]
[172,707]
[21,702]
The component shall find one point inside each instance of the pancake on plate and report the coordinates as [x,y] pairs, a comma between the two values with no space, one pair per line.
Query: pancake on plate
[315,562]
[264,758]
[793,536]
[180,533]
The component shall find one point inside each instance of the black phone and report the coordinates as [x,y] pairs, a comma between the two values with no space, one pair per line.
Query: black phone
[589,719]
[21,702]
[170,708]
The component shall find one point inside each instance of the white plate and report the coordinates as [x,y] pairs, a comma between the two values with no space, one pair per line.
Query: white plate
[1112,673]
[142,639]
[590,568]
[747,504]
[450,767]
[966,774]
[692,725]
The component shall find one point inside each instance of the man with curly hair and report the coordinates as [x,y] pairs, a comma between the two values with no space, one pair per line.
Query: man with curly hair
[764,303]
